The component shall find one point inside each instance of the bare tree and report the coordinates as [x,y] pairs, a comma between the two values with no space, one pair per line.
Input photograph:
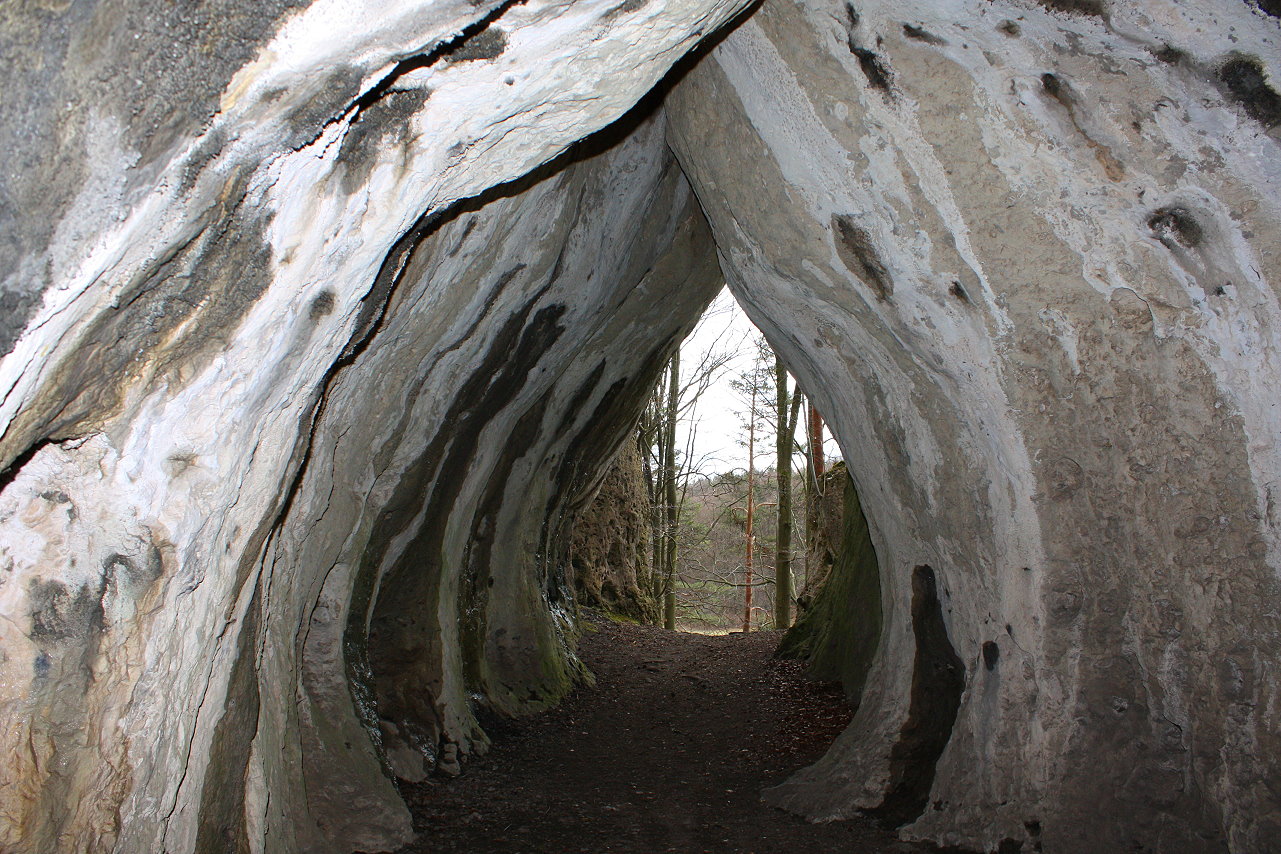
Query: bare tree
[751,508]
[814,470]
[788,408]
[668,463]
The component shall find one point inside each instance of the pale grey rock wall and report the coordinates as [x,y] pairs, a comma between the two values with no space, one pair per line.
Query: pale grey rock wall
[207,484]
[302,378]
[1026,260]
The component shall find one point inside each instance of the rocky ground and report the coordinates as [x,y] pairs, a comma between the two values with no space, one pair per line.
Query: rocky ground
[667,753]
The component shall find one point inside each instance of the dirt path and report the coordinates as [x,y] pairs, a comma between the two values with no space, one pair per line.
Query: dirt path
[668,753]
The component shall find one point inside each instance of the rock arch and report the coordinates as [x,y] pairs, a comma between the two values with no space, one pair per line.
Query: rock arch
[331,335]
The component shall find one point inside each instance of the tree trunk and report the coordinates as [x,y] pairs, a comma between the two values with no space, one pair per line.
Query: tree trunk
[669,494]
[813,478]
[816,442]
[787,412]
[751,473]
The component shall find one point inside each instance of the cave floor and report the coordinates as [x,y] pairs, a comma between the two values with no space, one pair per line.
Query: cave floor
[667,753]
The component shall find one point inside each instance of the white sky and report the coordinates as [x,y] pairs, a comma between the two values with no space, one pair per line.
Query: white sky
[719,438]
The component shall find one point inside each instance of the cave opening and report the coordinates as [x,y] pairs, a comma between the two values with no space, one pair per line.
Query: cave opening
[322,320]
[465,606]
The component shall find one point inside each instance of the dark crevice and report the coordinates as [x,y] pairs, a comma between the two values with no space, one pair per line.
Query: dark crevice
[938,679]
[459,49]
[12,470]
[488,44]
[874,67]
[921,34]
[1095,8]
[1268,7]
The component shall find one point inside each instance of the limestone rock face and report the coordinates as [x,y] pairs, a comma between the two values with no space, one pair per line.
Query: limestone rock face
[322,319]
[610,547]
[1025,255]
[235,521]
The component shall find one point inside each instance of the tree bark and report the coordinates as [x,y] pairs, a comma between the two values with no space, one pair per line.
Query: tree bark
[816,441]
[669,493]
[813,480]
[751,473]
[788,410]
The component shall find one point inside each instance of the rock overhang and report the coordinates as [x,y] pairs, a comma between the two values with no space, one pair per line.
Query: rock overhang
[213,384]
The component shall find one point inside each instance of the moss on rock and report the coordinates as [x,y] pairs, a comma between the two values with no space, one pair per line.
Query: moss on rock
[838,634]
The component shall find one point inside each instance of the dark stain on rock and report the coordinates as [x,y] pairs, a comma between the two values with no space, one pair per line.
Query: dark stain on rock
[200,289]
[56,496]
[127,576]
[221,823]
[991,655]
[1169,54]
[476,580]
[921,34]
[938,678]
[400,633]
[1245,82]
[40,665]
[1174,225]
[1076,7]
[855,248]
[580,398]
[625,8]
[322,306]
[852,17]
[874,67]
[487,44]
[381,125]
[1010,28]
[59,616]
[1057,89]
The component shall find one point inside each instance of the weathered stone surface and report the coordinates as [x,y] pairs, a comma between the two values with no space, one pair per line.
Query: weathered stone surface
[306,372]
[1025,256]
[216,446]
[609,552]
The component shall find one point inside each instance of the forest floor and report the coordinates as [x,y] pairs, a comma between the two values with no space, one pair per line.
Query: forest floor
[668,752]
